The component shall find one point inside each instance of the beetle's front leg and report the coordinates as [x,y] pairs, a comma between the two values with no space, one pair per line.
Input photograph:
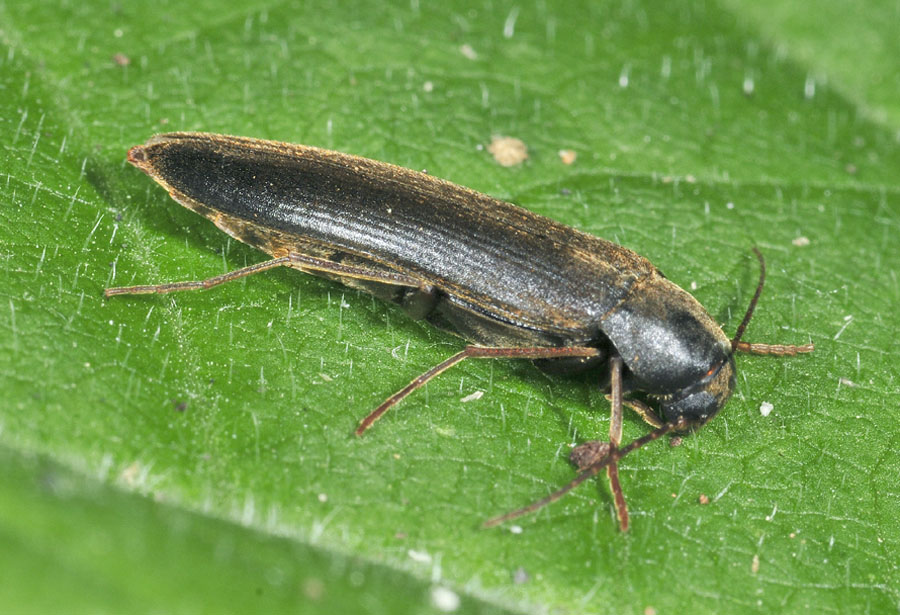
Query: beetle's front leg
[587,454]
[615,439]
[644,411]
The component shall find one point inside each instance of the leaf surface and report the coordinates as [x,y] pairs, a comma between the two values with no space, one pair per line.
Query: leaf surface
[230,412]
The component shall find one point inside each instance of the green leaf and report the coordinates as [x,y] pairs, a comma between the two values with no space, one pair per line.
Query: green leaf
[72,545]
[204,439]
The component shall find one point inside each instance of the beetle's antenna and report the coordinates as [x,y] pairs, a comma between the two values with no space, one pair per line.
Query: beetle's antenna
[592,470]
[753,302]
[765,349]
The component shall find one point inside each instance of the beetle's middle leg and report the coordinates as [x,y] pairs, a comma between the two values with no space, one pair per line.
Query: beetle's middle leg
[474,352]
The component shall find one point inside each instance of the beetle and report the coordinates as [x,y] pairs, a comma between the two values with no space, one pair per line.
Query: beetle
[512,283]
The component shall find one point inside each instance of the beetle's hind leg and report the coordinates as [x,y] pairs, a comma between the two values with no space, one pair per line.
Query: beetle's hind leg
[293,260]
[284,261]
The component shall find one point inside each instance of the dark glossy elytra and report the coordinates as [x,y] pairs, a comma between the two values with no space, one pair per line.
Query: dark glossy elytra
[511,282]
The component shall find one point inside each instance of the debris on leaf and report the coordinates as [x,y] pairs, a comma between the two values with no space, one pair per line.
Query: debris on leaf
[567,156]
[419,556]
[472,396]
[508,151]
[444,599]
[468,52]
[520,576]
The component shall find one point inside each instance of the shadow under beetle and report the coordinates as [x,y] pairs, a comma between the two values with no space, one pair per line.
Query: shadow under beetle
[515,284]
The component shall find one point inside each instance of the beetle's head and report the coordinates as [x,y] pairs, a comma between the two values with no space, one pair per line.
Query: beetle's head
[696,404]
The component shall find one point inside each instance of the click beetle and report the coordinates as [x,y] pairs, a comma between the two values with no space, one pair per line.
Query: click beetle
[512,283]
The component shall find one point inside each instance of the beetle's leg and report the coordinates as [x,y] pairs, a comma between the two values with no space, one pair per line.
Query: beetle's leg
[311,263]
[615,439]
[594,450]
[590,471]
[644,411]
[473,352]
[198,284]
[588,453]
[774,349]
[296,261]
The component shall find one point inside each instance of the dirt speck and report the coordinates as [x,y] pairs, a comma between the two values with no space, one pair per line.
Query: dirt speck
[508,151]
[419,556]
[468,52]
[520,576]
[445,599]
[131,475]
[472,396]
[568,156]
[313,588]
